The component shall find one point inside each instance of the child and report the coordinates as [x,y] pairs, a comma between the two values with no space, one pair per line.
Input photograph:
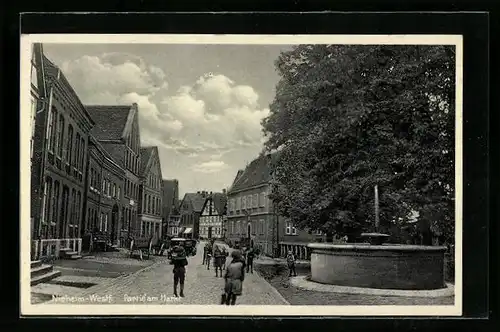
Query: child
[290,259]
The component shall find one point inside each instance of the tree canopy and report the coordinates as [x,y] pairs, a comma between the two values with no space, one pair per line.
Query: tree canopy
[348,117]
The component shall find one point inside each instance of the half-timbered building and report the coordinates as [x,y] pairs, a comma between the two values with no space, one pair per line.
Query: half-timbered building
[212,215]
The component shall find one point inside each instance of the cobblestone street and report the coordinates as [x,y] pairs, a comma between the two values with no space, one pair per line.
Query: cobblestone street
[201,287]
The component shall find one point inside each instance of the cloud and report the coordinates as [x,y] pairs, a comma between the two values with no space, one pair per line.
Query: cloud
[199,128]
[212,166]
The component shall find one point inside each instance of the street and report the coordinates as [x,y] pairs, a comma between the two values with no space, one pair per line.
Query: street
[154,285]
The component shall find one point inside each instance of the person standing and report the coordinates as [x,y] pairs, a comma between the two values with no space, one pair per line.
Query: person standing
[250,256]
[180,262]
[290,260]
[218,257]
[233,279]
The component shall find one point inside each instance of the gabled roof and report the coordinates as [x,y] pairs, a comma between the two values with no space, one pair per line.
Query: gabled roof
[53,73]
[256,173]
[111,120]
[116,151]
[146,154]
[196,200]
[220,201]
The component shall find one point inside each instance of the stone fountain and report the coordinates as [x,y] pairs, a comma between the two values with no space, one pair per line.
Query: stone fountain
[378,265]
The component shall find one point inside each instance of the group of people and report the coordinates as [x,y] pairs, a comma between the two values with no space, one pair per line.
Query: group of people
[241,262]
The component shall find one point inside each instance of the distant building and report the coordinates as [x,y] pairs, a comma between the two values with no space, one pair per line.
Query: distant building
[190,211]
[212,215]
[251,214]
[150,193]
[170,215]
[117,130]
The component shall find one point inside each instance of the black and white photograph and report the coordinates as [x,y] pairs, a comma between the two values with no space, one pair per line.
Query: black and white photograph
[241,174]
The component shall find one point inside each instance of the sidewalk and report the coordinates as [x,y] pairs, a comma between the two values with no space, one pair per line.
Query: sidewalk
[154,285]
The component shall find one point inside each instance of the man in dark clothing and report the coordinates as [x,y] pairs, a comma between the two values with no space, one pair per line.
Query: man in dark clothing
[250,256]
[180,261]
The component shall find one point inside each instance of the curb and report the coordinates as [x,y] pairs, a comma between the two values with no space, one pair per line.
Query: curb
[303,283]
[272,289]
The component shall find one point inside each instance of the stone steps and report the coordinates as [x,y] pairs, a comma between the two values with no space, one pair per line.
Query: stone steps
[44,277]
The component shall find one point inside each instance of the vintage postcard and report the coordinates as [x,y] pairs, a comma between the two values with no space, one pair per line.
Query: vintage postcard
[263,175]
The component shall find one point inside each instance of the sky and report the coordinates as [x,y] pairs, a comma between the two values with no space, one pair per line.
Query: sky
[200,104]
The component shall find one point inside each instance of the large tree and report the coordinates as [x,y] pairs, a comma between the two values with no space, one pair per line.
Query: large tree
[347,118]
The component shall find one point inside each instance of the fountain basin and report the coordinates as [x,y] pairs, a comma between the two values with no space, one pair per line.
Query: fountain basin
[378,266]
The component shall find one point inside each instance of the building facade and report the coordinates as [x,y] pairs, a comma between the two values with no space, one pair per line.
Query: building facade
[251,214]
[190,211]
[212,216]
[38,110]
[117,130]
[170,201]
[105,181]
[61,138]
[151,194]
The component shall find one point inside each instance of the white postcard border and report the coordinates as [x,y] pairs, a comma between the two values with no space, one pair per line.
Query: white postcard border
[217,310]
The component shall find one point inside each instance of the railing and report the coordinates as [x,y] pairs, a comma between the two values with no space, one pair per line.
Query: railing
[299,249]
[50,248]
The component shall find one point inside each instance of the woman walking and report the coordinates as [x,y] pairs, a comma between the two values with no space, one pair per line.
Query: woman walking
[234,276]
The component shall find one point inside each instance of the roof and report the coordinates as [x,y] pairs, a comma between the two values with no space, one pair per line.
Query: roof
[146,153]
[220,201]
[256,173]
[116,151]
[111,120]
[197,201]
[53,72]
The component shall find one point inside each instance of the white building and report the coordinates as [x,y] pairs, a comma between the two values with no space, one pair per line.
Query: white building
[212,216]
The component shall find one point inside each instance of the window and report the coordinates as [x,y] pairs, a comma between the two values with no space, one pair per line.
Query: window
[118,192]
[103,189]
[108,191]
[106,222]
[238,203]
[101,222]
[60,136]
[290,229]
[52,128]
[113,192]
[55,201]
[79,151]
[243,202]
[262,199]
[261,226]
[69,145]
[47,197]
[255,200]
[82,152]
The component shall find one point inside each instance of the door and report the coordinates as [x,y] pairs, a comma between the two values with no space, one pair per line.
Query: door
[114,217]
[249,230]
[210,232]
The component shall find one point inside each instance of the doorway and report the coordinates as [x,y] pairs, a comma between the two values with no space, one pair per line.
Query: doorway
[114,219]
[249,230]
[210,232]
